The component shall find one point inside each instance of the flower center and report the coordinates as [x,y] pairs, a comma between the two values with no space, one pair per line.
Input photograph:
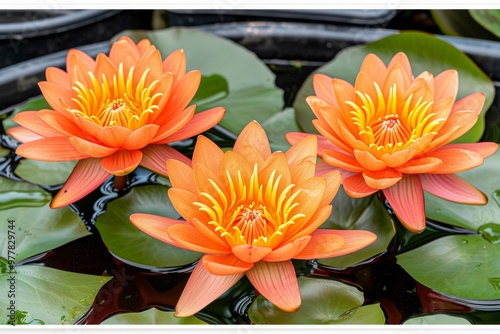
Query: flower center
[253,213]
[116,101]
[392,124]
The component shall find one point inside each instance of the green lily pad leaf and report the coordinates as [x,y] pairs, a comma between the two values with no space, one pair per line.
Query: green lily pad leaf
[31,224]
[459,265]
[437,319]
[488,18]
[49,295]
[278,126]
[36,103]
[45,173]
[323,302]
[252,92]
[492,128]
[487,179]
[151,316]
[359,214]
[127,242]
[436,57]
[212,88]
[460,23]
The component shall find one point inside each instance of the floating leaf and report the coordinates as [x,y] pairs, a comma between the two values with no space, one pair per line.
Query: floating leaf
[278,126]
[323,302]
[36,227]
[460,23]
[126,241]
[487,179]
[488,18]
[49,295]
[435,57]
[35,103]
[44,173]
[252,92]
[151,316]
[459,265]
[437,319]
[359,214]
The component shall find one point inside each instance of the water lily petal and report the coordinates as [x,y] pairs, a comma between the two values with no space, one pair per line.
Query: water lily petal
[341,160]
[91,149]
[277,282]
[323,88]
[86,177]
[201,289]
[188,237]
[183,200]
[474,102]
[343,91]
[455,160]
[140,137]
[335,139]
[150,61]
[288,250]
[307,226]
[113,136]
[382,179]
[301,158]
[175,63]
[207,153]
[155,226]
[62,124]
[23,135]
[485,149]
[353,240]
[225,264]
[446,85]
[177,123]
[122,162]
[181,175]
[124,51]
[78,65]
[355,186]
[57,76]
[104,67]
[375,71]
[31,121]
[155,156]
[407,200]
[209,232]
[452,188]
[368,161]
[50,149]
[254,135]
[250,253]
[200,122]
[419,166]
[323,244]
[278,165]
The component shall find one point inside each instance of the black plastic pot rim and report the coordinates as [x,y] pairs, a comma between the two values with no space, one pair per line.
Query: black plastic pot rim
[54,24]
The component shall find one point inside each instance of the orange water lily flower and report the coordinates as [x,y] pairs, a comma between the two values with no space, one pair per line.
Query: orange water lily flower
[113,114]
[390,132]
[250,211]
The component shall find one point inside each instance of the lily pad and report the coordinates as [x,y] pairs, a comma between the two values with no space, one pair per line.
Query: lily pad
[435,57]
[31,224]
[459,265]
[460,23]
[278,126]
[151,316]
[49,295]
[323,302]
[437,319]
[35,103]
[487,179]
[44,173]
[252,92]
[126,241]
[359,214]
[488,18]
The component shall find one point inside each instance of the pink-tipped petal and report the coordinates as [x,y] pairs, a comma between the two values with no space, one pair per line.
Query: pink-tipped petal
[407,200]
[155,226]
[277,282]
[31,121]
[86,177]
[485,149]
[50,149]
[154,158]
[23,135]
[452,188]
[201,289]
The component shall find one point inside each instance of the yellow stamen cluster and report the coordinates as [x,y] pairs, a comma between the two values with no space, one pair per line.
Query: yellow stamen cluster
[252,213]
[116,101]
[392,125]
